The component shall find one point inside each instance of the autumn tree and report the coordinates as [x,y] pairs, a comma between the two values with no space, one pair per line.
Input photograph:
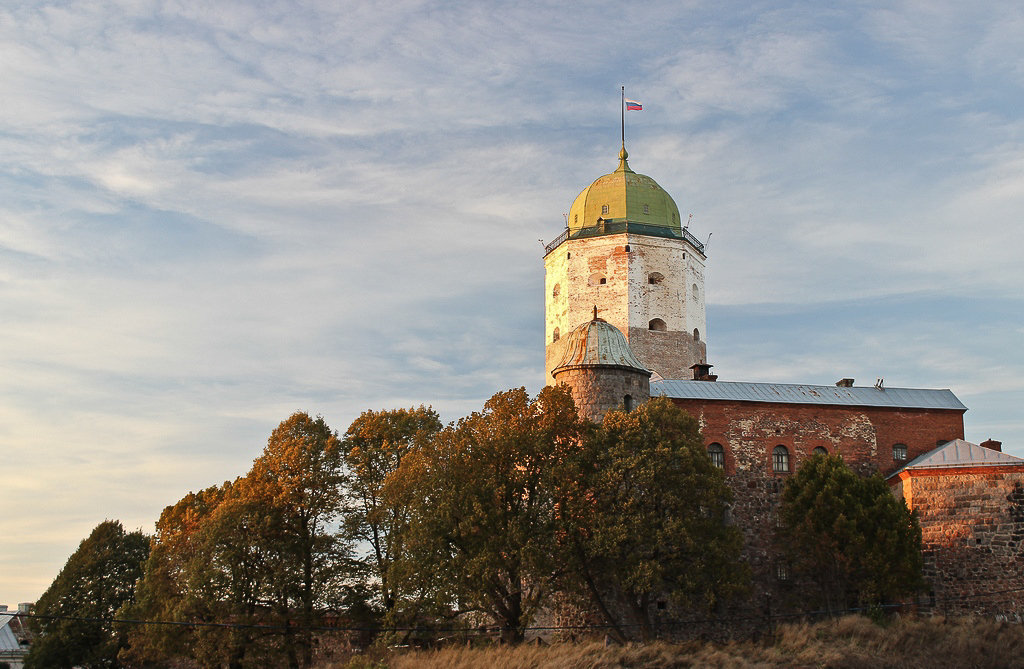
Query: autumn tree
[206,567]
[378,517]
[644,514]
[95,582]
[259,557]
[296,482]
[485,519]
[849,535]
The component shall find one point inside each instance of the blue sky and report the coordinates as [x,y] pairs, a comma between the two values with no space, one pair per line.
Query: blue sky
[213,216]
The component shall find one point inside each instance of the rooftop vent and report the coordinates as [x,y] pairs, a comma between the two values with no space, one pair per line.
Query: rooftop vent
[845,383]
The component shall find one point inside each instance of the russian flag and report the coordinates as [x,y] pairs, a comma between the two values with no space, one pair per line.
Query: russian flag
[633,105]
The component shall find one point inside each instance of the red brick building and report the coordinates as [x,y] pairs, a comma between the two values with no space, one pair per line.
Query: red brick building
[760,433]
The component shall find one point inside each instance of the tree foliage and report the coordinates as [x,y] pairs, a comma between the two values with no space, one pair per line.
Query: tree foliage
[484,517]
[644,512]
[374,446]
[95,582]
[849,535]
[261,550]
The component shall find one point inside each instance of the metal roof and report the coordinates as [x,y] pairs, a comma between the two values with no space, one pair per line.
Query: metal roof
[960,453]
[598,343]
[866,396]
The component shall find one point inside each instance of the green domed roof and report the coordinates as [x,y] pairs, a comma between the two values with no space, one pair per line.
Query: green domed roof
[628,196]
[598,343]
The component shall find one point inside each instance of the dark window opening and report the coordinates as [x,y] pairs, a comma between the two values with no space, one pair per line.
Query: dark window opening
[657,325]
[717,454]
[780,459]
[819,450]
[899,452]
[627,402]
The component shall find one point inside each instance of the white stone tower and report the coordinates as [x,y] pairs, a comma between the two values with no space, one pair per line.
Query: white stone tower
[626,252]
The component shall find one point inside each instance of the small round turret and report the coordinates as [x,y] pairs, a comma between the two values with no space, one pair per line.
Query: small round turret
[601,370]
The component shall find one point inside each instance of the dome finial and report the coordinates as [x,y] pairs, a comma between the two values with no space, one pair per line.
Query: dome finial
[595,312]
[623,165]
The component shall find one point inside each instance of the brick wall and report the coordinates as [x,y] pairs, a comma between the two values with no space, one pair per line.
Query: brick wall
[749,432]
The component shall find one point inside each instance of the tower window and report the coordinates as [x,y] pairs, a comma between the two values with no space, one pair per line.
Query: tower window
[576,219]
[696,292]
[654,278]
[627,403]
[696,334]
[657,325]
[554,337]
[604,209]
[899,452]
[780,459]
[597,279]
[717,455]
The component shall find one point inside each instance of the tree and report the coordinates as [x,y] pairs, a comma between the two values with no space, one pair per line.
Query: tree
[296,483]
[374,446]
[849,535]
[644,514]
[95,582]
[259,551]
[484,519]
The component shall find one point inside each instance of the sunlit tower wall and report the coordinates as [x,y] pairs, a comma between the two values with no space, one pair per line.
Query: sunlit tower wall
[625,251]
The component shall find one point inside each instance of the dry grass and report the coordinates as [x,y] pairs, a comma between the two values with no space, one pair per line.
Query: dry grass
[848,643]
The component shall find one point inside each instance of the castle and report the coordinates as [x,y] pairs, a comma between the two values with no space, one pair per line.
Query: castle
[625,321]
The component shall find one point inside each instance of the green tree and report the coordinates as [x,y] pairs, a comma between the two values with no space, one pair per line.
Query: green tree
[485,518]
[374,446]
[95,582]
[644,514]
[849,535]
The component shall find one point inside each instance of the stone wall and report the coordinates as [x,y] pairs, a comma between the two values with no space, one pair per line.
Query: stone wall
[632,279]
[597,390]
[972,527]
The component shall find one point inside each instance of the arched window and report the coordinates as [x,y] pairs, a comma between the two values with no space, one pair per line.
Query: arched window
[899,452]
[657,325]
[696,334]
[695,292]
[654,278]
[780,459]
[819,450]
[717,455]
[597,279]
[556,290]
[554,337]
[627,403]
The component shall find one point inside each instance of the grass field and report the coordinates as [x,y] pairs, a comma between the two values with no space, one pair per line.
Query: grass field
[852,642]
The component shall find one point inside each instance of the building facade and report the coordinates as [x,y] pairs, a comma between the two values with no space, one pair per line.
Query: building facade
[625,320]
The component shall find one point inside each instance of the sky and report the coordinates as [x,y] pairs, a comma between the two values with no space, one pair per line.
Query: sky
[215,214]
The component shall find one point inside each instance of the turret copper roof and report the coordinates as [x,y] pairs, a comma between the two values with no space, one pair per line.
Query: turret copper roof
[598,343]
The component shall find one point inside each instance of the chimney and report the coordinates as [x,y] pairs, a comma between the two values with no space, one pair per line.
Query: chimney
[993,444]
[702,372]
[844,383]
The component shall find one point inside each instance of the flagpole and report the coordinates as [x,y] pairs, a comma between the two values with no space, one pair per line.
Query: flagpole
[622,115]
